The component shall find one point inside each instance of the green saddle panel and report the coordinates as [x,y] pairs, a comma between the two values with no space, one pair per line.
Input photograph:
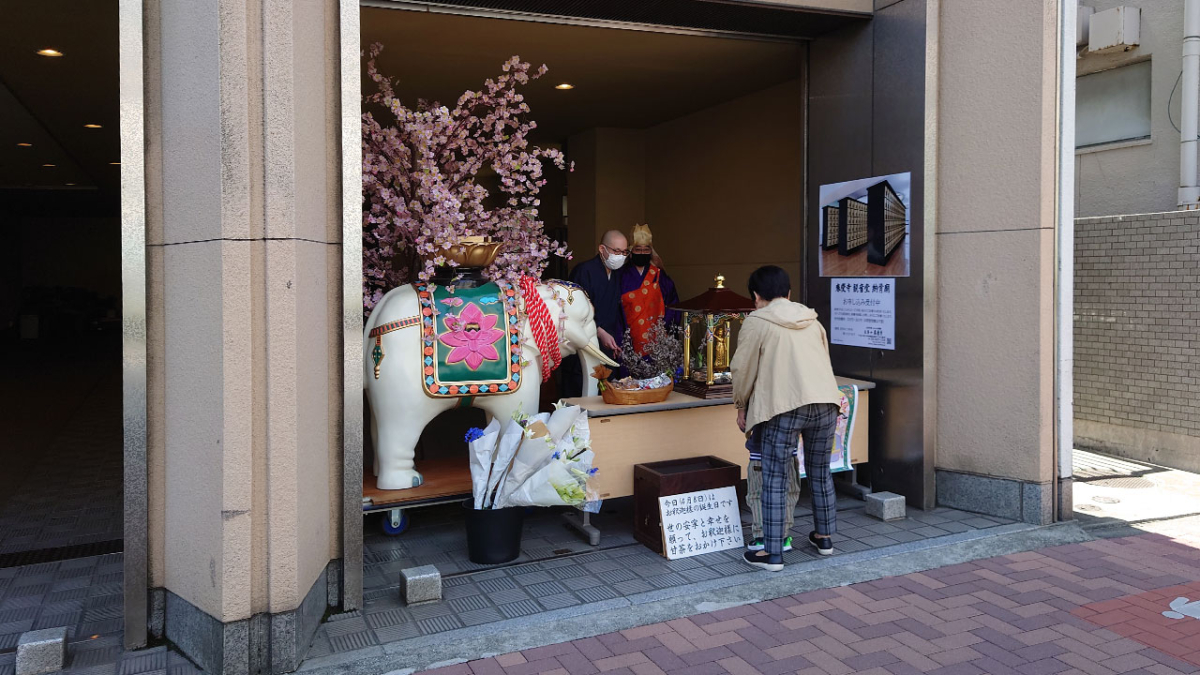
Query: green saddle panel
[471,340]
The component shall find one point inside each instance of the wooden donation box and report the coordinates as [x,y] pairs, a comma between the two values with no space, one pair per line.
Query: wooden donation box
[711,322]
[673,477]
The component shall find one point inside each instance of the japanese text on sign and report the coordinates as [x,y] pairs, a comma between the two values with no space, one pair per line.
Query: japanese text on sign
[700,522]
[863,313]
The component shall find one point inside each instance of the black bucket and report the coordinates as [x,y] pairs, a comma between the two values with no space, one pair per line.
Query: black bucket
[493,535]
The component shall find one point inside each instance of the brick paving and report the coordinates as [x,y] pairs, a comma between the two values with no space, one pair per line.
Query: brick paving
[1093,608]
[544,579]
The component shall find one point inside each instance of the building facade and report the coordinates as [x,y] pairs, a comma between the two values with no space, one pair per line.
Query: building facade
[1137,241]
[1129,114]
[242,262]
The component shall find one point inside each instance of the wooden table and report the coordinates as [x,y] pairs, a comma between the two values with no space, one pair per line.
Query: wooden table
[679,427]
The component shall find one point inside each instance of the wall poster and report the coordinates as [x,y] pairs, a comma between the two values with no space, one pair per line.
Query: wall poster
[863,227]
[863,313]
[839,459]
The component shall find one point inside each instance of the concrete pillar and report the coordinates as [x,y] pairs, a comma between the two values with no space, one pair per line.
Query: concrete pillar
[244,256]
[997,143]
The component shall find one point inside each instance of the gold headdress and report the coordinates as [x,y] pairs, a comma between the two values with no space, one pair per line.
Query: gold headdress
[642,236]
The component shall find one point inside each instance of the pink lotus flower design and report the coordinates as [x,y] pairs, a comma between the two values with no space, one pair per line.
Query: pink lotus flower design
[472,337]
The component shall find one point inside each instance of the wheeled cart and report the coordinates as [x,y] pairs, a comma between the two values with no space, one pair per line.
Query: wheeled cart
[446,480]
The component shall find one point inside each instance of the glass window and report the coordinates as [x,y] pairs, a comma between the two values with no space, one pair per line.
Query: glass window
[1113,105]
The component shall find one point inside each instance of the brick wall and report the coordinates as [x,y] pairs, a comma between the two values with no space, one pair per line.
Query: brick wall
[1137,334]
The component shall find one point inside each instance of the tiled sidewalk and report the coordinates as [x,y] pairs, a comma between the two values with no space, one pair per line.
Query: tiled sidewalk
[509,592]
[1093,608]
[83,594]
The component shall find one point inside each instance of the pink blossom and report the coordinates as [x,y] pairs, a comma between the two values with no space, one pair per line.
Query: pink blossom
[420,190]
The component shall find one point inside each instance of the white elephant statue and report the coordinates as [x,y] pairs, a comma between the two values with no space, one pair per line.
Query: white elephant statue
[400,389]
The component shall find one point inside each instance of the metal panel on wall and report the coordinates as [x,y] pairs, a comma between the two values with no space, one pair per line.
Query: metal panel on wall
[866,118]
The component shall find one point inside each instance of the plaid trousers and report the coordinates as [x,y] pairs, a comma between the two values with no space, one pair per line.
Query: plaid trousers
[815,424]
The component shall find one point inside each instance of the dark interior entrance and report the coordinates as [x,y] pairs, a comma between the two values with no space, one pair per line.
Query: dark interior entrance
[60,283]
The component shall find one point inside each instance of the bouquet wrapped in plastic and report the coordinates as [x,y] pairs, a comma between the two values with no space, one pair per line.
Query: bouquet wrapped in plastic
[540,460]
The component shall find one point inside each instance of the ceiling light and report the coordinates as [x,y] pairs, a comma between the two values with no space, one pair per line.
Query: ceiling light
[47,165]
[564,86]
[70,184]
[49,52]
[91,126]
[114,164]
[24,145]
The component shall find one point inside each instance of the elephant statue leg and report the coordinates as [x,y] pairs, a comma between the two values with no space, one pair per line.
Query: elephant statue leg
[395,446]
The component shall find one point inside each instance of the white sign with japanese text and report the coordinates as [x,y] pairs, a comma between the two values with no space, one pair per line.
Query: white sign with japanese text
[700,522]
[863,313]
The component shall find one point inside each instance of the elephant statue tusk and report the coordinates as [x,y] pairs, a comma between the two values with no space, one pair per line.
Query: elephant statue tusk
[600,356]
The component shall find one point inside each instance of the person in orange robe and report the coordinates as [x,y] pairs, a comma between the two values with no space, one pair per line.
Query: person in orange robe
[646,291]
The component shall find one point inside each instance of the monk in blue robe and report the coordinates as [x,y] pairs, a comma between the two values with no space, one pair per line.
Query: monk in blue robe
[600,276]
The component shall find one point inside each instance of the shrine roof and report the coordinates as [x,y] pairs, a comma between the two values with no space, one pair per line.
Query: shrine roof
[717,300]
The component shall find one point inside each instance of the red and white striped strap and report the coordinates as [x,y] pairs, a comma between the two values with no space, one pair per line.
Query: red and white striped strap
[541,324]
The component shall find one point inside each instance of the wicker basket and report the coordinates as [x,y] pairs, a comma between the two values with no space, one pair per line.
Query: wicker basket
[614,396]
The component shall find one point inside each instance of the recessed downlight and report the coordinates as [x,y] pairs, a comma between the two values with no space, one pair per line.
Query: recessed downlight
[24,145]
[91,126]
[564,86]
[70,185]
[49,52]
[48,165]
[114,164]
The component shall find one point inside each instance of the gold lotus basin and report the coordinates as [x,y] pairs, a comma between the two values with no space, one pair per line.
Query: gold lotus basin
[473,252]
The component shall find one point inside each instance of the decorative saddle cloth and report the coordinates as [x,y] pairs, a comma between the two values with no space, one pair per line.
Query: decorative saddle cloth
[470,340]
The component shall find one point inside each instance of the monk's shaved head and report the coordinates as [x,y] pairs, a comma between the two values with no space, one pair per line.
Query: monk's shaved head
[614,239]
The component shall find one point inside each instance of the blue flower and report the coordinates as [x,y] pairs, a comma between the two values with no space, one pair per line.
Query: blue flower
[474,434]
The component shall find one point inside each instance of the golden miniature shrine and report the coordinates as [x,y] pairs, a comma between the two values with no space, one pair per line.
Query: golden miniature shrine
[711,322]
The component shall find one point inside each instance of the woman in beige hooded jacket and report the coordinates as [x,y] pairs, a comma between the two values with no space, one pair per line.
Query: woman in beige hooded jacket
[784,390]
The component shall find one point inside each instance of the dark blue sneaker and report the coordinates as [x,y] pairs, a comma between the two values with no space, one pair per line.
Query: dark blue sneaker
[824,545]
[764,561]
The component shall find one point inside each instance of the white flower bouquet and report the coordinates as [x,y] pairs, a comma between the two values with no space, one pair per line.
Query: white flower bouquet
[540,460]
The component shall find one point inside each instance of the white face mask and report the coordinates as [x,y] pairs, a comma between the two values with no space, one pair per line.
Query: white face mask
[614,261]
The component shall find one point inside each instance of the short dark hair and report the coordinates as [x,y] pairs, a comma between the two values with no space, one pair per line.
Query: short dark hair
[770,282]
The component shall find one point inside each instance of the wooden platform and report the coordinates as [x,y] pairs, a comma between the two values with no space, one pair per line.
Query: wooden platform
[444,479]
